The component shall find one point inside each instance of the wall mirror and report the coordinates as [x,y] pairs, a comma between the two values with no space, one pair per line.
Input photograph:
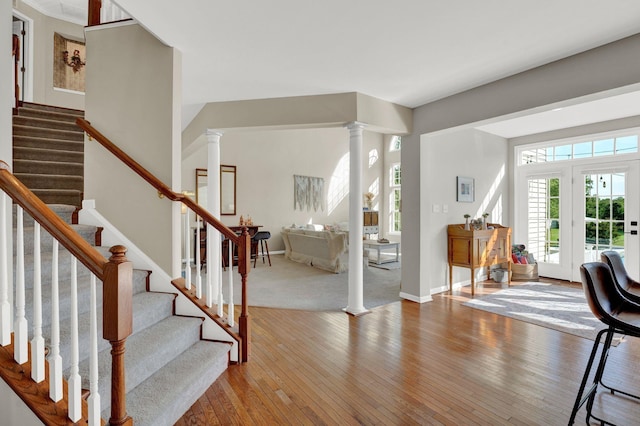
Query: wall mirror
[227,189]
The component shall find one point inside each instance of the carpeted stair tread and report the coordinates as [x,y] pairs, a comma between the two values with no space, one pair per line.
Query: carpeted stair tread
[148,309]
[46,123]
[40,142]
[43,154]
[37,181]
[164,397]
[68,196]
[87,232]
[21,130]
[48,167]
[64,211]
[145,354]
[49,115]
[43,107]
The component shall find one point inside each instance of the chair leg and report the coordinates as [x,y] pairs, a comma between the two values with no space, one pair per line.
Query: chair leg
[266,244]
[580,399]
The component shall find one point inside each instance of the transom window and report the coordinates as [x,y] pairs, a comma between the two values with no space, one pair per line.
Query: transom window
[596,147]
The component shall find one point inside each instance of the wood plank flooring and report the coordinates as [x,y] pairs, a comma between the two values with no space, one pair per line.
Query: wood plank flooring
[405,363]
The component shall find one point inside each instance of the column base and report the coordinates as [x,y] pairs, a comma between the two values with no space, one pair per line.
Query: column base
[356,312]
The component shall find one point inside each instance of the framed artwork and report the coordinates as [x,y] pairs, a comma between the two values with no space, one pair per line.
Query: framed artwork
[465,189]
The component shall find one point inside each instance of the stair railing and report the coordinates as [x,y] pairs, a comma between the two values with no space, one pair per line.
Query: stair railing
[116,273]
[242,242]
[105,11]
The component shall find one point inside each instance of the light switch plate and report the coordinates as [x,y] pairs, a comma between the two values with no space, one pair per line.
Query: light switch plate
[436,208]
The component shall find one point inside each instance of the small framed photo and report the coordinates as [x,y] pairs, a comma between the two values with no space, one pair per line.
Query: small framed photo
[465,189]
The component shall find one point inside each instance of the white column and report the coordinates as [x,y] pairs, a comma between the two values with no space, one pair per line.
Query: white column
[213,205]
[355,304]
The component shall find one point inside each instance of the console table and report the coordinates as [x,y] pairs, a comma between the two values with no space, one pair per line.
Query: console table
[478,249]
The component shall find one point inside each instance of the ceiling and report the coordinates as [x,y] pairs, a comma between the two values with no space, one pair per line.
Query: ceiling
[409,52]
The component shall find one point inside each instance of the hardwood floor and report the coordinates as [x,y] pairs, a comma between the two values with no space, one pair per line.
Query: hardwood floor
[408,363]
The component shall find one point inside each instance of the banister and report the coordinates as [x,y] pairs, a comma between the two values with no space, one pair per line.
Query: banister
[58,228]
[160,186]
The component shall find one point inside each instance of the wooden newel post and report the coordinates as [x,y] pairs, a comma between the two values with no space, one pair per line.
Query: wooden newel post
[244,266]
[117,325]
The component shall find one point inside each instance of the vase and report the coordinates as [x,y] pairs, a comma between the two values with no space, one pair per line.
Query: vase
[466,224]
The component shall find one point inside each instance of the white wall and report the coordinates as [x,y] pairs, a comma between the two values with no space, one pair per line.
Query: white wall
[608,69]
[44,28]
[469,153]
[266,162]
[137,108]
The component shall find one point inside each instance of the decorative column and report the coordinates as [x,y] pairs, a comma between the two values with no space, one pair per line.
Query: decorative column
[355,304]
[213,205]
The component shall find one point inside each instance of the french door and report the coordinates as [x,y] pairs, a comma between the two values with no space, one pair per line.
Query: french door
[606,208]
[574,212]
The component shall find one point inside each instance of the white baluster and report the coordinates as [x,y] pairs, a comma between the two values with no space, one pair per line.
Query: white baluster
[37,343]
[5,306]
[94,398]
[55,360]
[187,251]
[231,312]
[75,390]
[210,268]
[219,285]
[198,272]
[21,347]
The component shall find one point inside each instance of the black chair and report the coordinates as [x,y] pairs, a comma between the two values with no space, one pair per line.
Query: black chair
[629,287]
[619,314]
[260,238]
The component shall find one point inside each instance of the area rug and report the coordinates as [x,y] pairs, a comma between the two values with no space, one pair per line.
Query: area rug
[557,307]
[291,285]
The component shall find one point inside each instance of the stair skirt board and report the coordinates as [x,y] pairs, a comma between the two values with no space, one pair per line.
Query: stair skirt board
[168,365]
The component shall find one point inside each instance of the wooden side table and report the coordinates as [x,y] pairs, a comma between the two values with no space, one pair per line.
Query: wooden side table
[478,249]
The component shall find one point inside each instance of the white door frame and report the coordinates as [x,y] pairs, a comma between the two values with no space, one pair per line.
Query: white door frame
[26,56]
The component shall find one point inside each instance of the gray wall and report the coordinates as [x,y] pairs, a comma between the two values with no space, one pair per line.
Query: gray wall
[609,67]
[138,109]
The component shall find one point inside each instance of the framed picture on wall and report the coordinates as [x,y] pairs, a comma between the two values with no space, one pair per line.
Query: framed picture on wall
[465,189]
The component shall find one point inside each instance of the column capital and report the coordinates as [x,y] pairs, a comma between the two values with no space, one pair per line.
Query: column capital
[214,135]
[355,125]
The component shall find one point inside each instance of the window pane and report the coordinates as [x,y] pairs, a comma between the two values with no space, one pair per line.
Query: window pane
[604,208]
[549,155]
[563,152]
[617,209]
[603,147]
[617,234]
[627,144]
[582,150]
[590,207]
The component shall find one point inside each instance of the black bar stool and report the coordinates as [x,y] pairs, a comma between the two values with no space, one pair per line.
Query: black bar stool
[261,238]
[629,287]
[619,314]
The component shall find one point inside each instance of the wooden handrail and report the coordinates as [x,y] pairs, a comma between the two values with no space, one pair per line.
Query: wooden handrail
[160,186]
[58,228]
[243,241]
[116,275]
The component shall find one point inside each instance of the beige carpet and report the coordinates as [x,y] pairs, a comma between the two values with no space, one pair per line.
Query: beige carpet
[292,285]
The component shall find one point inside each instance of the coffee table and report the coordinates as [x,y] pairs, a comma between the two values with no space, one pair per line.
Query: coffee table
[383,246]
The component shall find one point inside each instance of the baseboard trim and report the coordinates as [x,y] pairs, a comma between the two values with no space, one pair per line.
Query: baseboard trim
[417,299]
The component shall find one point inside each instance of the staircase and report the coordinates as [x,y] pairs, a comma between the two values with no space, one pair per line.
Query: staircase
[168,365]
[48,152]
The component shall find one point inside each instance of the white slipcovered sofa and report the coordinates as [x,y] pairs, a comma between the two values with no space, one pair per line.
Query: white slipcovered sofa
[323,249]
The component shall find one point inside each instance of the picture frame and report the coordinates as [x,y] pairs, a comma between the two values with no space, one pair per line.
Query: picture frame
[465,189]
